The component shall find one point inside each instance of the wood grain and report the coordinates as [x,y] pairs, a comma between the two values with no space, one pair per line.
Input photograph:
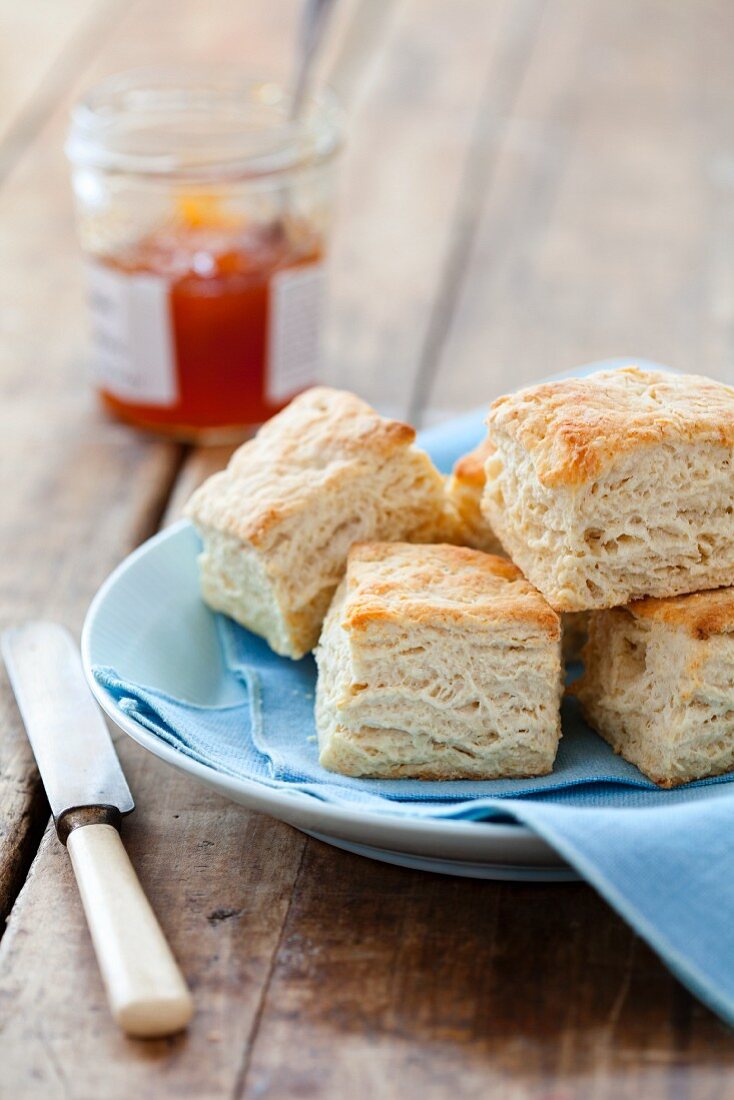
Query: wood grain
[606,226]
[220,882]
[23,806]
[411,144]
[82,491]
[526,185]
[41,45]
[28,191]
[393,982]
[78,494]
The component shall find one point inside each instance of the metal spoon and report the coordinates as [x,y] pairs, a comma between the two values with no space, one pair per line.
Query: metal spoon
[314,18]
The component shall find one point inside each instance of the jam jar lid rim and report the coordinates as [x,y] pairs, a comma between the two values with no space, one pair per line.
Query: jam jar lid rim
[97,140]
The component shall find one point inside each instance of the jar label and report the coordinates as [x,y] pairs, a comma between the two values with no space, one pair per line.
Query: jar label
[132,338]
[295,308]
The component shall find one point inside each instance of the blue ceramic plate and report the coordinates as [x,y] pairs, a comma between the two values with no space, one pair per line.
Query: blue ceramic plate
[149,623]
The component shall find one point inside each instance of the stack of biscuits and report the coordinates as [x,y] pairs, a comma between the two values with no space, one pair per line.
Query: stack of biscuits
[602,504]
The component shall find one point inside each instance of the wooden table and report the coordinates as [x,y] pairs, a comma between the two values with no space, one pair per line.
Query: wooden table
[528,186]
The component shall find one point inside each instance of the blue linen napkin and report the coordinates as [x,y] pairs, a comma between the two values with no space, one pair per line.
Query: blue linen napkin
[663,859]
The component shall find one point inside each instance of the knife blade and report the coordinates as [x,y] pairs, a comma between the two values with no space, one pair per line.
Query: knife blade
[69,737]
[89,795]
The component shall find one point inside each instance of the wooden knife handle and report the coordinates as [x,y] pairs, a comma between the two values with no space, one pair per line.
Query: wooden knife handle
[145,988]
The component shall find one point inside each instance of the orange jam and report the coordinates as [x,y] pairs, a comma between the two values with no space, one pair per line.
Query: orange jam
[213,298]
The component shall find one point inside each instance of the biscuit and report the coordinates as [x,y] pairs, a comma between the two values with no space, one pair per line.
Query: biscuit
[464,490]
[614,486]
[278,522]
[437,662]
[658,684]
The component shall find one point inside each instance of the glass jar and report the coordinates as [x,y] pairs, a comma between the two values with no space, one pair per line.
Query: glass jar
[203,215]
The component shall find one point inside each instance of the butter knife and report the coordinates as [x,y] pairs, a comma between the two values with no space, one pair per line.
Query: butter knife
[89,796]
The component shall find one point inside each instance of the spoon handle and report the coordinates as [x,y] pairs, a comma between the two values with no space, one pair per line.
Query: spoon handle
[314,18]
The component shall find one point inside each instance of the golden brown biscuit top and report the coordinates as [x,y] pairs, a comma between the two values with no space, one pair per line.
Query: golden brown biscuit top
[404,583]
[319,426]
[700,614]
[312,443]
[575,427]
[469,470]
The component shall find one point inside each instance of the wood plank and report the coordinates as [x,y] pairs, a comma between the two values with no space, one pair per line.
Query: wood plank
[363,978]
[220,879]
[79,491]
[51,565]
[95,487]
[77,495]
[33,1053]
[23,806]
[40,46]
[392,983]
[606,228]
[600,1009]
[200,464]
[593,240]
[398,983]
[403,184]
